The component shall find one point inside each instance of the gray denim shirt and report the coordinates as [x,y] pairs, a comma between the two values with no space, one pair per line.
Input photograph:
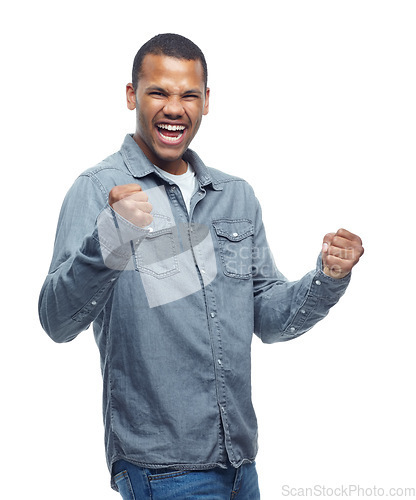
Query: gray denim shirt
[174,307]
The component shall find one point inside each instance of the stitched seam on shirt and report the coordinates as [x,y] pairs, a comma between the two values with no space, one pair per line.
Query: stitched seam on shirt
[224,181]
[130,167]
[93,178]
[88,307]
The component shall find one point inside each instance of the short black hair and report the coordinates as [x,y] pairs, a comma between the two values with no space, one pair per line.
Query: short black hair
[171,45]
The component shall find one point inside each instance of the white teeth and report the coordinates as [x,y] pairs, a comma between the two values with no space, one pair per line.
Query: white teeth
[173,128]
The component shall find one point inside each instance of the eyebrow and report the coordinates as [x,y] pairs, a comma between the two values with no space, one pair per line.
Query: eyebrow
[193,91]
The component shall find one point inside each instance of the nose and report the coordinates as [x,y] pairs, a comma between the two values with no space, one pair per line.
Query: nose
[173,108]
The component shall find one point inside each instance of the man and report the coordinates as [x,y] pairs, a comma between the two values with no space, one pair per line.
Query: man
[169,260]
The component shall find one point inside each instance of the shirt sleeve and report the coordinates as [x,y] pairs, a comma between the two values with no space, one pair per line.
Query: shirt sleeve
[93,244]
[285,309]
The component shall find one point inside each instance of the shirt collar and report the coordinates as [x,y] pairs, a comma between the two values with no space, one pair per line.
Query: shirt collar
[139,165]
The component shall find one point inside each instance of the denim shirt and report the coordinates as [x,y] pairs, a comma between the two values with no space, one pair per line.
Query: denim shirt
[174,307]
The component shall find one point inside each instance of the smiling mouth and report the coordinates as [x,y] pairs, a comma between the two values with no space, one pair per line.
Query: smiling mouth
[170,134]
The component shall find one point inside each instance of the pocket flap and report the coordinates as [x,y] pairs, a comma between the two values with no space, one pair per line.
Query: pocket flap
[161,224]
[234,230]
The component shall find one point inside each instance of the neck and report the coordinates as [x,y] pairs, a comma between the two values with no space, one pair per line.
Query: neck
[174,167]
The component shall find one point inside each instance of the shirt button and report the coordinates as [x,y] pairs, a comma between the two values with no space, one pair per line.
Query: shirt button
[318,282]
[235,235]
[293,329]
[212,315]
[303,311]
[172,188]
[219,362]
[94,303]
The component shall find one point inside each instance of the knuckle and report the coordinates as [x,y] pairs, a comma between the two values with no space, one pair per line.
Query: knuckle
[330,260]
[114,194]
[337,240]
[145,207]
[146,219]
[344,233]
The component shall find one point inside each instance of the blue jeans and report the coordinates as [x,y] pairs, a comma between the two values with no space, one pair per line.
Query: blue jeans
[137,483]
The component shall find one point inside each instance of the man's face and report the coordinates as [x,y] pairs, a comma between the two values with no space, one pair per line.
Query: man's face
[170,101]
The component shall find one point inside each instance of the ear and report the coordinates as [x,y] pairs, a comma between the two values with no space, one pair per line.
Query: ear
[131,96]
[206,104]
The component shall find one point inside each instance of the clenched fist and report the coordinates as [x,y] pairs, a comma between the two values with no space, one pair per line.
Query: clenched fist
[129,201]
[340,252]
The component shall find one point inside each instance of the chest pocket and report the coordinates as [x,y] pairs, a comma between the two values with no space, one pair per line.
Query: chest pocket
[157,254]
[235,239]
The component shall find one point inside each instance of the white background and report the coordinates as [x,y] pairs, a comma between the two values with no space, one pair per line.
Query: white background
[314,103]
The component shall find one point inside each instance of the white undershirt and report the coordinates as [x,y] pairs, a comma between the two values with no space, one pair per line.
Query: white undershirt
[186,182]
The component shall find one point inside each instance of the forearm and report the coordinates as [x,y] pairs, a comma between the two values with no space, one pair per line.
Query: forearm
[289,309]
[74,294]
[76,290]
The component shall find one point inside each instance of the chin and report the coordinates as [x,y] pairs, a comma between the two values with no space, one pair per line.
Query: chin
[170,156]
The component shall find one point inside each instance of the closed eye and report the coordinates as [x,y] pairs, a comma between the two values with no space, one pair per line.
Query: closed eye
[157,94]
[191,97]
